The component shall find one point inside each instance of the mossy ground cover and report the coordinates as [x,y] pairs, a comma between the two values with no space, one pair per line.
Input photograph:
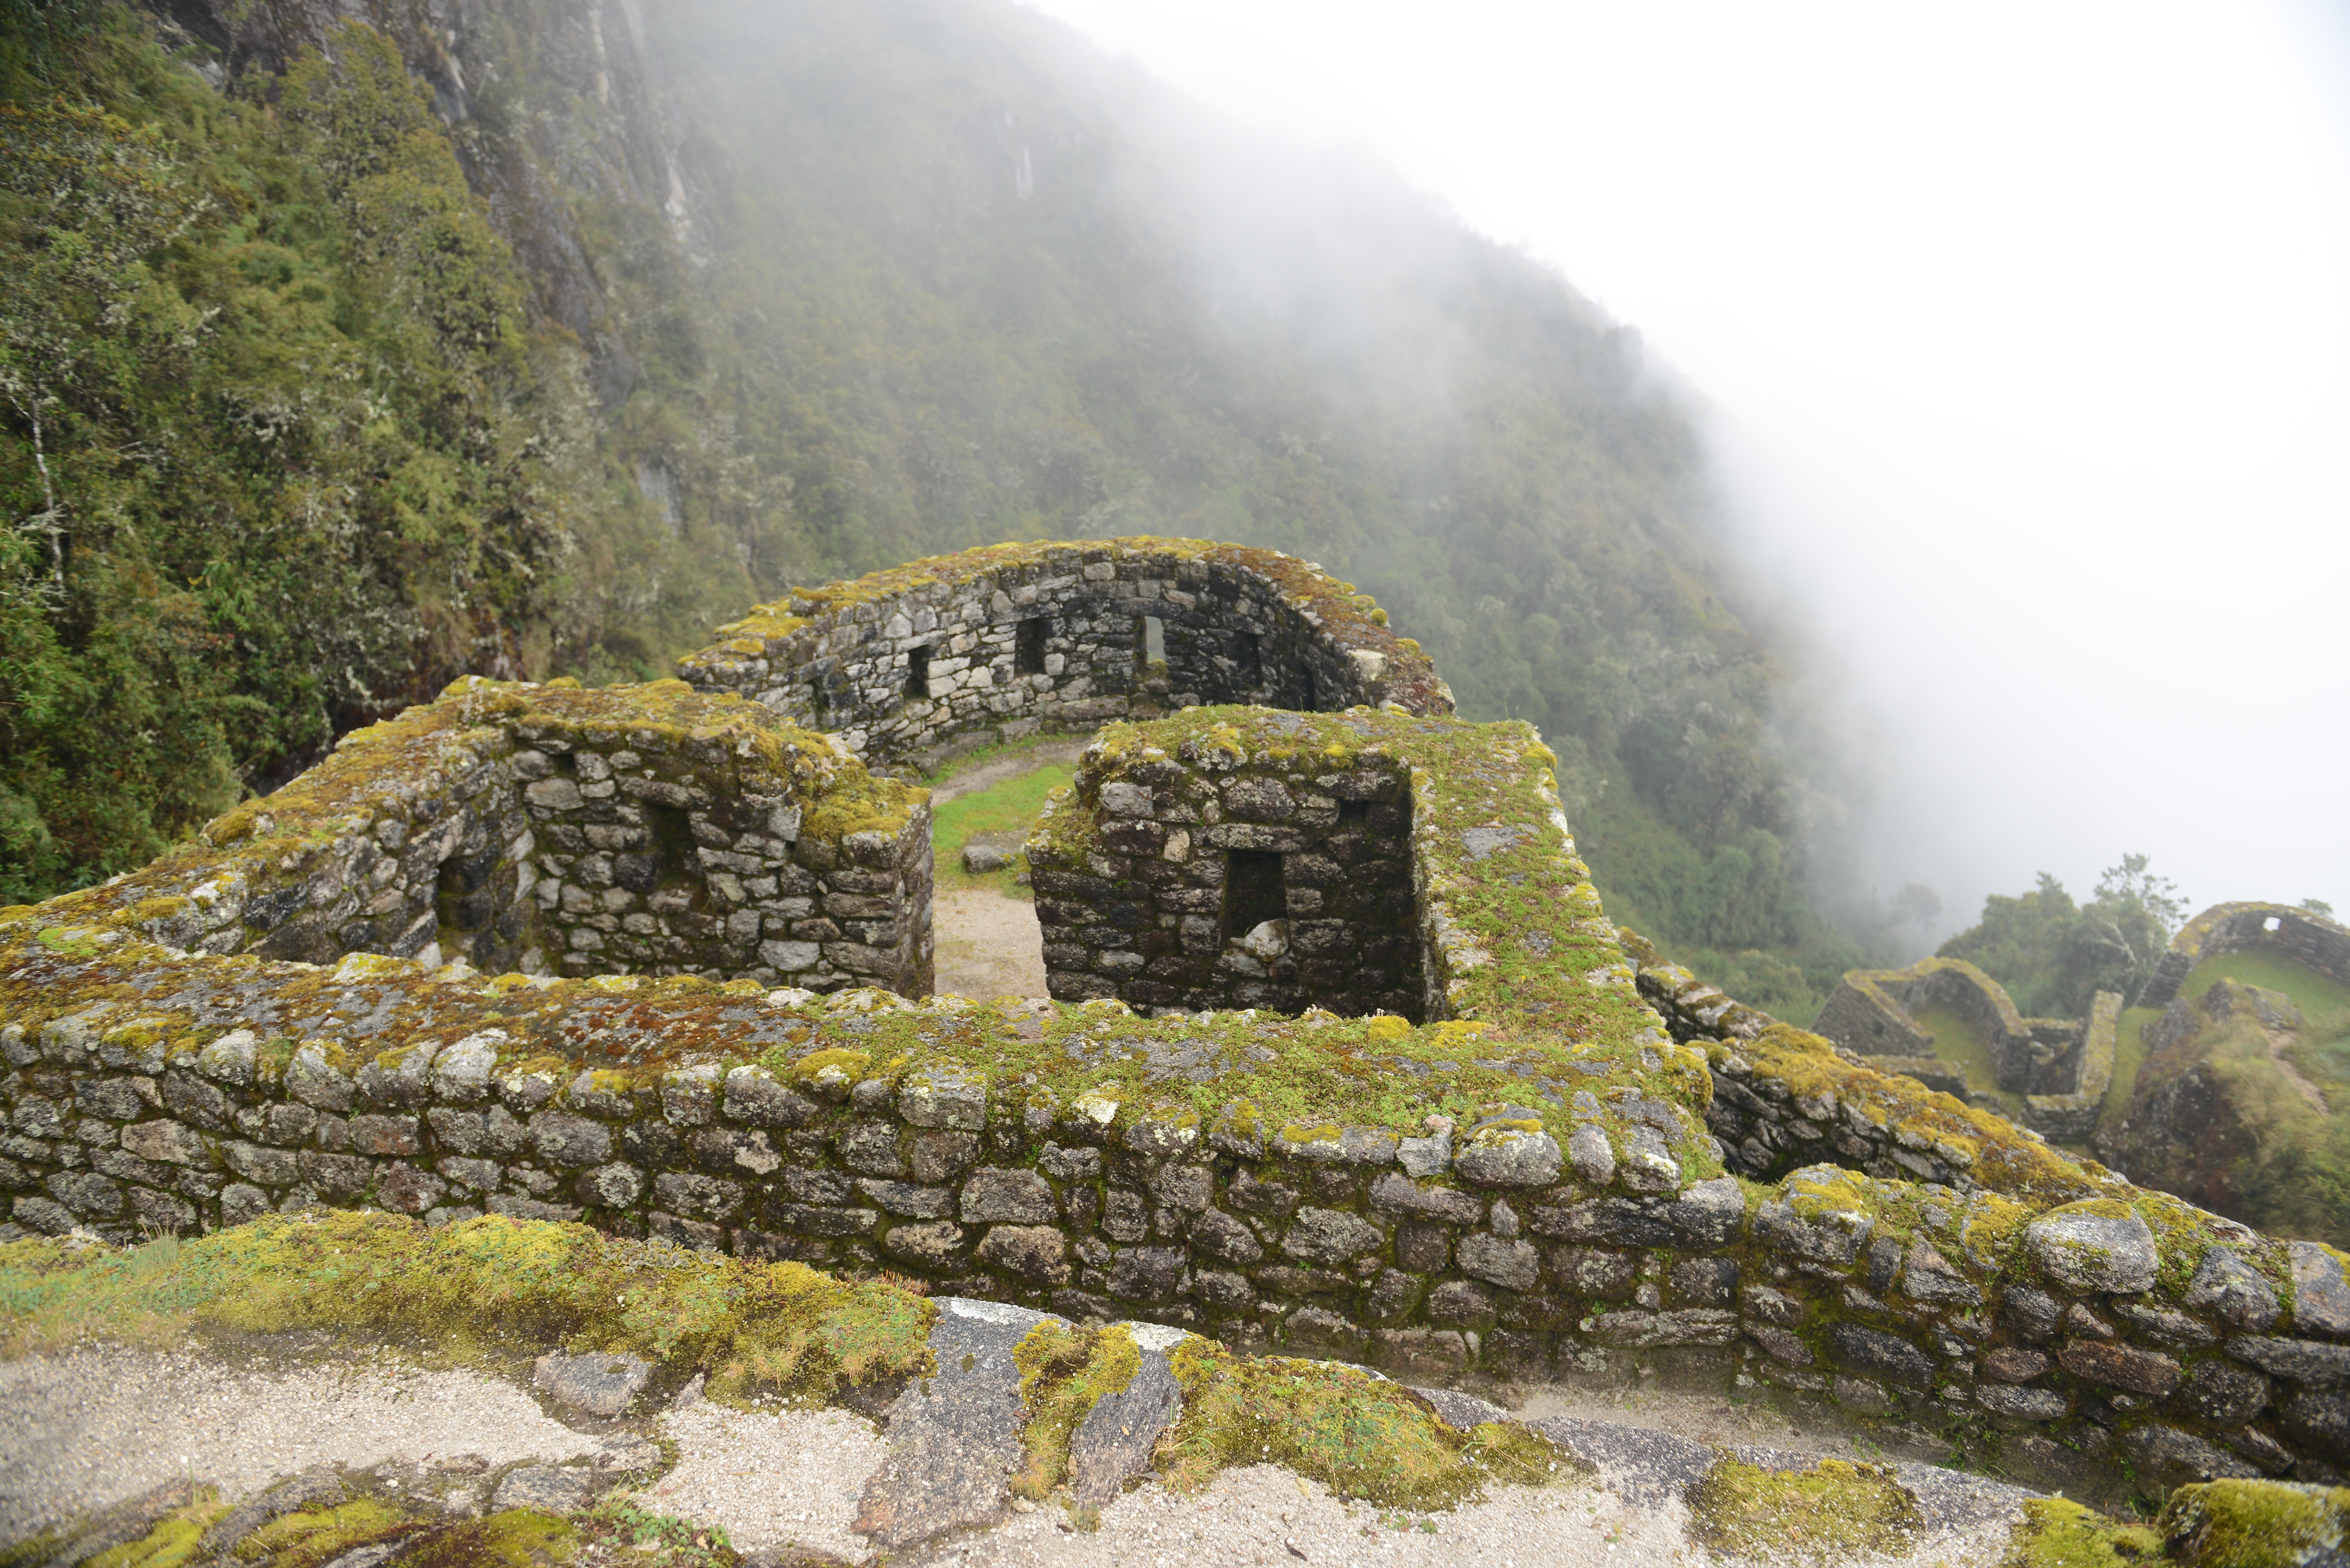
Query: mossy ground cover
[1961,1043]
[2279,1158]
[1831,1512]
[1358,1433]
[479,1292]
[1010,807]
[412,1531]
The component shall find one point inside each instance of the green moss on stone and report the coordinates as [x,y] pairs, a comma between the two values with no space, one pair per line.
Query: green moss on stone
[1833,1510]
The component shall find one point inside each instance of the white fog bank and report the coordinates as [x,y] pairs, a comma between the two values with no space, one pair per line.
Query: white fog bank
[2028,358]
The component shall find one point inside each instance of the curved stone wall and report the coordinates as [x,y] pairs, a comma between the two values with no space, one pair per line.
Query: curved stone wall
[2306,938]
[910,663]
[2061,1066]
[1582,1164]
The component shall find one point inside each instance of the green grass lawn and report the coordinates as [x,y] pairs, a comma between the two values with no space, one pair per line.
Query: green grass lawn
[1965,1046]
[1009,807]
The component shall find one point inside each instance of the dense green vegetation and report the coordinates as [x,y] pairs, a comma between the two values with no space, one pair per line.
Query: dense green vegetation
[319,395]
[2054,956]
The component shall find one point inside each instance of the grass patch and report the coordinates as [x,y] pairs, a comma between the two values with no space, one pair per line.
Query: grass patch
[1832,1509]
[475,1292]
[2312,992]
[1963,1044]
[1011,805]
[1361,1436]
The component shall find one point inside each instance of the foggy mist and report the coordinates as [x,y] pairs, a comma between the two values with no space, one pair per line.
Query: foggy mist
[2021,345]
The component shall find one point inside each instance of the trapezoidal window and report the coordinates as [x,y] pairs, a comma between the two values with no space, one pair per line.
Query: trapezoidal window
[1149,642]
[1310,699]
[1028,645]
[918,672]
[1257,891]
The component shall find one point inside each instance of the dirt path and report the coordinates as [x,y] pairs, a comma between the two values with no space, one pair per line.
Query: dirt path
[988,945]
[92,1427]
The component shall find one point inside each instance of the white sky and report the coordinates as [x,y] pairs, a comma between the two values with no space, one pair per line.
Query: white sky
[2028,327]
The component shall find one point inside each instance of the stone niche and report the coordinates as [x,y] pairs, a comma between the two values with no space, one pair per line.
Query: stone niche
[550,830]
[1175,876]
[910,664]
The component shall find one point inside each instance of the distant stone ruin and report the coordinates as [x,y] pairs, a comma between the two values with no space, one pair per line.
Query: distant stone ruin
[1545,1154]
[2061,1066]
[2309,940]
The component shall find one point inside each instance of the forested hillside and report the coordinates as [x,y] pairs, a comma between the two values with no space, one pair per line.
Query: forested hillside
[537,338]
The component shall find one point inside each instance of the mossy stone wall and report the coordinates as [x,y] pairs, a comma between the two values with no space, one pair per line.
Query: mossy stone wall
[2308,939]
[2062,1066]
[550,830]
[1582,1165]
[1132,869]
[1012,637]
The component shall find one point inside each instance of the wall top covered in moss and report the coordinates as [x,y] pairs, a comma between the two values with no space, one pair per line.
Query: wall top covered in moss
[908,660]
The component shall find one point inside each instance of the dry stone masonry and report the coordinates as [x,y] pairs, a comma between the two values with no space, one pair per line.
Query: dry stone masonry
[550,830]
[2062,1066]
[2309,940]
[1198,876]
[992,644]
[1560,1157]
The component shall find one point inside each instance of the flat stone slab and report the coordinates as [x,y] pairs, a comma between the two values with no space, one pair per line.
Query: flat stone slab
[1115,1441]
[1643,1466]
[954,1437]
[598,1384]
[1462,1411]
[543,1485]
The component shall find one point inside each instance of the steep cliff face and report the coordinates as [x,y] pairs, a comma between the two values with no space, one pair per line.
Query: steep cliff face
[550,104]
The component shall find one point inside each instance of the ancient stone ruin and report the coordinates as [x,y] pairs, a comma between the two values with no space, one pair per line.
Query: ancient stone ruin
[2309,940]
[2062,1066]
[1483,1135]
[910,664]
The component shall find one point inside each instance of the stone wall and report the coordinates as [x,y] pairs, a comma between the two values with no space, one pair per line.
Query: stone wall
[1581,1164]
[2062,1066]
[636,830]
[909,664]
[2308,939]
[1186,871]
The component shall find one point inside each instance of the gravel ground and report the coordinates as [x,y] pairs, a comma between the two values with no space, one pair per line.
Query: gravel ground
[771,1479]
[90,1428]
[1263,1515]
[94,1426]
[987,945]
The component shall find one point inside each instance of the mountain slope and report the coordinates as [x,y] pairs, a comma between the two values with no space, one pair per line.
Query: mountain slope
[789,291]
